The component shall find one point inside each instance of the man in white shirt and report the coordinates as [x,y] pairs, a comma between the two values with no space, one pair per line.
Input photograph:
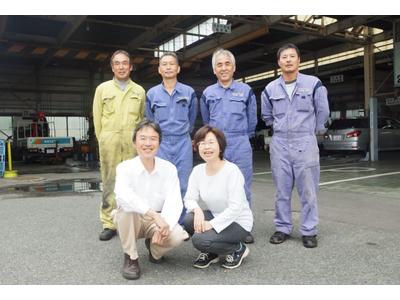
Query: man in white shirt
[149,201]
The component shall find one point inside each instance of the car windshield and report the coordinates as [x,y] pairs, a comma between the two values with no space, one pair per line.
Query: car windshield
[349,123]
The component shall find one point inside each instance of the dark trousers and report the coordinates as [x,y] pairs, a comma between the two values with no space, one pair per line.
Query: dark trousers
[223,243]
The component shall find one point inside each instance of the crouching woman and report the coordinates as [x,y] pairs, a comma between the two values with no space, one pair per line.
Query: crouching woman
[219,229]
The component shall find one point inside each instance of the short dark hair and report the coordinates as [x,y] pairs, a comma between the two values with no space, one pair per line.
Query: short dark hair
[200,135]
[173,54]
[287,46]
[147,123]
[120,51]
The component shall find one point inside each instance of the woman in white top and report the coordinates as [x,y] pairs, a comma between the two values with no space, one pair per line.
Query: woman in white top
[227,218]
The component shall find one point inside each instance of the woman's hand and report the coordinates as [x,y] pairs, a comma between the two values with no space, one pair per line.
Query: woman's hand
[198,222]
[207,226]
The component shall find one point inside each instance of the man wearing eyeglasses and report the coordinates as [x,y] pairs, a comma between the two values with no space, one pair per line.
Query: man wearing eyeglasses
[231,107]
[118,107]
[149,201]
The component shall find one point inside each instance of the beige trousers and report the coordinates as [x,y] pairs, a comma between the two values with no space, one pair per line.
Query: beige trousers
[113,148]
[133,226]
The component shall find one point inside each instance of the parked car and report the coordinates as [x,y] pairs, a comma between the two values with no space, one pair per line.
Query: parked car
[354,135]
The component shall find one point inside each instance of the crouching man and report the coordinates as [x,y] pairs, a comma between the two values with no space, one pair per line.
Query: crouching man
[148,200]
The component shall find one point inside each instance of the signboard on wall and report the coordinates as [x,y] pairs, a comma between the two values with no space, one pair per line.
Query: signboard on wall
[336,78]
[221,28]
[392,101]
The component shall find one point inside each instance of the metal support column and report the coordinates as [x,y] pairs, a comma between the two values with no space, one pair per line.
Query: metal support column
[373,131]
[396,55]
[369,75]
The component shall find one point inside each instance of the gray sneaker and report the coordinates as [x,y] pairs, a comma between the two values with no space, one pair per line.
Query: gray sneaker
[205,259]
[235,259]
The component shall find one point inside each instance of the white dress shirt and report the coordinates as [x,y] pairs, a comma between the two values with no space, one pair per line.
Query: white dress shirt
[137,190]
[222,193]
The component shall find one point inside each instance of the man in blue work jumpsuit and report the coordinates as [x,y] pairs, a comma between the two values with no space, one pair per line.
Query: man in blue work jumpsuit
[231,107]
[173,105]
[297,106]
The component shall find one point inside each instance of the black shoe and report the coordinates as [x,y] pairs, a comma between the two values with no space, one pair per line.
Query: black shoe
[235,259]
[310,241]
[151,258]
[249,239]
[278,237]
[205,259]
[130,268]
[107,234]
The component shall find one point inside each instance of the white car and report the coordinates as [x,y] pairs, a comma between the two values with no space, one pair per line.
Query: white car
[265,136]
[353,135]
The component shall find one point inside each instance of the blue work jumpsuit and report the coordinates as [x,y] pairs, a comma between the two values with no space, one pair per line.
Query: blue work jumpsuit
[294,150]
[233,110]
[176,115]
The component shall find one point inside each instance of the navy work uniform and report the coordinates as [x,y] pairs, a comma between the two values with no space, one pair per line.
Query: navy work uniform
[176,115]
[233,110]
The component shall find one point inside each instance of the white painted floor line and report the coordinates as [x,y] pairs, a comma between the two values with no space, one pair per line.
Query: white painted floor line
[358,178]
[330,168]
[337,165]
[262,173]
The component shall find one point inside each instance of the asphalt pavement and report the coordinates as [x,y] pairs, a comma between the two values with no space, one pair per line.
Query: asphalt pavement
[52,237]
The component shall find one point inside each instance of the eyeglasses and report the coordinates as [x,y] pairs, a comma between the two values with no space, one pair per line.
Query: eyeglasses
[143,138]
[209,143]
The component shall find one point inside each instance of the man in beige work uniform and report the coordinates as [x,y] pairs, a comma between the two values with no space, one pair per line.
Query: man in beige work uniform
[118,107]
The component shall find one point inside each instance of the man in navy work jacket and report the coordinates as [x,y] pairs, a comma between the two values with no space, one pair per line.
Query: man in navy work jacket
[173,106]
[231,107]
[297,106]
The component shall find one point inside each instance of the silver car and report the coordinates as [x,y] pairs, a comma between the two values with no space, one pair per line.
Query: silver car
[353,135]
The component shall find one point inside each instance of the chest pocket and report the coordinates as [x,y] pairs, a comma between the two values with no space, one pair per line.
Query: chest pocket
[304,102]
[279,105]
[161,111]
[214,102]
[182,109]
[108,104]
[237,105]
[134,104]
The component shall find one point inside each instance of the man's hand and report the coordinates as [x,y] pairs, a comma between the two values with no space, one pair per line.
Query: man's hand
[158,238]
[162,226]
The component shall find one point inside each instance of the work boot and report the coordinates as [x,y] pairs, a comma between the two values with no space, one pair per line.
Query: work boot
[310,241]
[130,269]
[278,237]
[107,234]
[147,242]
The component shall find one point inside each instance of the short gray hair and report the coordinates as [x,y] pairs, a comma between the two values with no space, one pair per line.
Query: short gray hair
[225,52]
[173,54]
[120,51]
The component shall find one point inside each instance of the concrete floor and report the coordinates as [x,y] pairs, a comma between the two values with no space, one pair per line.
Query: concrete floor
[49,216]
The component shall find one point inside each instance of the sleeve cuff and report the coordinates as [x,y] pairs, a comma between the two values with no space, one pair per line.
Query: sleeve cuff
[217,227]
